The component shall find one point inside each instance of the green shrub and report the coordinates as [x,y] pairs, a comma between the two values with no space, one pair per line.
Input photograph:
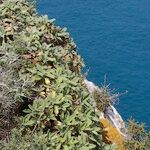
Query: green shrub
[139,137]
[42,92]
[104,97]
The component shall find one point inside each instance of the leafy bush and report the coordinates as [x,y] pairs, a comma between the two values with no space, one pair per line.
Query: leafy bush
[139,137]
[40,81]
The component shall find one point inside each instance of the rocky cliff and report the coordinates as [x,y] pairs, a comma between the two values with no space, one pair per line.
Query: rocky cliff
[111,121]
[45,103]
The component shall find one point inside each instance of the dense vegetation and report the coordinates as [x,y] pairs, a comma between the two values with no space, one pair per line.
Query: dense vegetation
[44,103]
[43,99]
[139,136]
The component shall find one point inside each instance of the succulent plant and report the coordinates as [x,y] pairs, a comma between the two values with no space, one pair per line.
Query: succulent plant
[42,98]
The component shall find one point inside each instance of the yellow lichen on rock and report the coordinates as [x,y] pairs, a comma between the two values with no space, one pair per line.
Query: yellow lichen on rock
[111,134]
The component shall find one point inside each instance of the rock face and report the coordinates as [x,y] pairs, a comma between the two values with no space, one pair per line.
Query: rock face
[111,135]
[110,113]
[114,117]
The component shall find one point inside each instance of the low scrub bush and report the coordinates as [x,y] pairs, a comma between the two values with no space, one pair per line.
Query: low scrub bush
[139,137]
[105,97]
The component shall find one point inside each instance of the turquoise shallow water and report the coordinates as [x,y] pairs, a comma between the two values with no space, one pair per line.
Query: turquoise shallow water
[113,37]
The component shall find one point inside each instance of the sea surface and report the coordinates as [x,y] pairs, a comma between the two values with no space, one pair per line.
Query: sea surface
[113,37]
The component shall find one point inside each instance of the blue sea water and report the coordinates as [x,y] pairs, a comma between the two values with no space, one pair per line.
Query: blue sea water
[113,37]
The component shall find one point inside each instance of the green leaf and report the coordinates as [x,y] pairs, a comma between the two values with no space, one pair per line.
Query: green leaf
[29,123]
[2,32]
[36,78]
